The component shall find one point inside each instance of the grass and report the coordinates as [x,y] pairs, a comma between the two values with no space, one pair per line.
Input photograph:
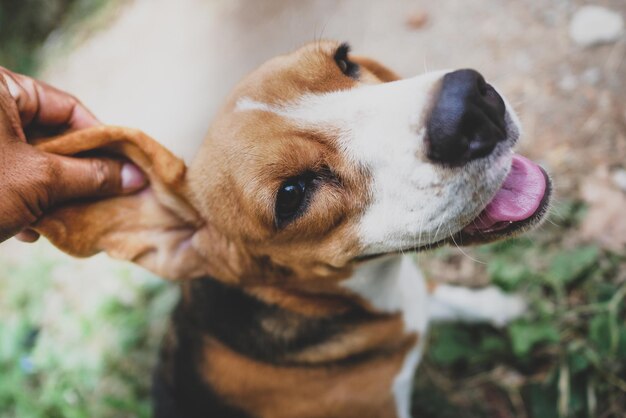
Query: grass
[78,358]
[23,33]
[565,358]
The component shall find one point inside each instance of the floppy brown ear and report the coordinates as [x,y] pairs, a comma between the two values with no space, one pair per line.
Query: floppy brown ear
[153,228]
[380,71]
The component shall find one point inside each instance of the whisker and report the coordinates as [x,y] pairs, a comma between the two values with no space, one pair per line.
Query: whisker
[436,234]
[463,252]
[419,237]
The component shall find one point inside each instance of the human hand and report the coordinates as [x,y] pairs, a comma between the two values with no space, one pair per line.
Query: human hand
[33,182]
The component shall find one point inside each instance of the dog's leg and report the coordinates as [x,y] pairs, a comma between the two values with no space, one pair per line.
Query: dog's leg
[490,304]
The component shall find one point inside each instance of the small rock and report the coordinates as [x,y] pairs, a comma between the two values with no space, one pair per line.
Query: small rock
[568,82]
[417,20]
[523,62]
[619,178]
[591,76]
[592,25]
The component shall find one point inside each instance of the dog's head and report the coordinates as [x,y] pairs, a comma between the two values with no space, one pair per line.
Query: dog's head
[318,161]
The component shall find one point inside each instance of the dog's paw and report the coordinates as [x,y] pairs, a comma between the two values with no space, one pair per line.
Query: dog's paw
[490,304]
[506,307]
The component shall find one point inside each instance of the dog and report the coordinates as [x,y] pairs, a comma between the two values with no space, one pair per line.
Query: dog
[288,233]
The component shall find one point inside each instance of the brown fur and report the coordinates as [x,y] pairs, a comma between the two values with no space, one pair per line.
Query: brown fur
[283,392]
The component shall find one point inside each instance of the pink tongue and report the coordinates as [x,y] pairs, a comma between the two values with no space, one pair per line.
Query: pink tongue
[518,199]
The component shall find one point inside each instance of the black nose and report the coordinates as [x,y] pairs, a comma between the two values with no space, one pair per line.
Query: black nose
[467,121]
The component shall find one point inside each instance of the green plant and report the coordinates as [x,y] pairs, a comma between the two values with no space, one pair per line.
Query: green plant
[63,358]
[566,357]
[23,32]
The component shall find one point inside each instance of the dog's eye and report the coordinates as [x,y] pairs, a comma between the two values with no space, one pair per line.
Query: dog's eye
[290,199]
[346,66]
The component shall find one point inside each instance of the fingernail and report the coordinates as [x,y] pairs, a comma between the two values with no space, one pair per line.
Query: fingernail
[132,177]
[14,90]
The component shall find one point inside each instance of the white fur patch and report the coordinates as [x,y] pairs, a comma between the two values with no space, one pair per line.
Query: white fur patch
[245,104]
[395,284]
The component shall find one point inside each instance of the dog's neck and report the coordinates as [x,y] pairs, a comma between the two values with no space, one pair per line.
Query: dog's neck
[273,351]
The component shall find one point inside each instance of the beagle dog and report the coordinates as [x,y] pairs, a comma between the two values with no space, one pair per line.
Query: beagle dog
[288,233]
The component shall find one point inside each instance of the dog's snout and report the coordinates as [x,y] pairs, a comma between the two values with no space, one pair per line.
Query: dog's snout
[467,119]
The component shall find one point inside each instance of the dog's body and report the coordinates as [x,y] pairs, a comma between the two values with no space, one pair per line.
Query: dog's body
[231,354]
[319,172]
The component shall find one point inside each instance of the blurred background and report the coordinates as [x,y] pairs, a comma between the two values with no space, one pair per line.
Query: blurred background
[78,338]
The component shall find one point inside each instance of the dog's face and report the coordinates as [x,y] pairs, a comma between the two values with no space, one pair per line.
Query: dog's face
[320,160]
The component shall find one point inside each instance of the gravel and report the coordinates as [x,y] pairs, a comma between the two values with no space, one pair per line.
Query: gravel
[592,25]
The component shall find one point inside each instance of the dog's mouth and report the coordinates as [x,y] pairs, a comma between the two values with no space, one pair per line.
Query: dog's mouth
[521,201]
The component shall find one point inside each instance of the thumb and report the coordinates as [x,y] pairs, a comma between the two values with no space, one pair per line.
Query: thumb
[80,178]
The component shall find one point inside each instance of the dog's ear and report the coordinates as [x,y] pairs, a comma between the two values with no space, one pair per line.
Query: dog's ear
[154,228]
[383,73]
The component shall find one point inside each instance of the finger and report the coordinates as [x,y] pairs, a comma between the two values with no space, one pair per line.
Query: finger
[27,235]
[41,104]
[78,178]
[10,123]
